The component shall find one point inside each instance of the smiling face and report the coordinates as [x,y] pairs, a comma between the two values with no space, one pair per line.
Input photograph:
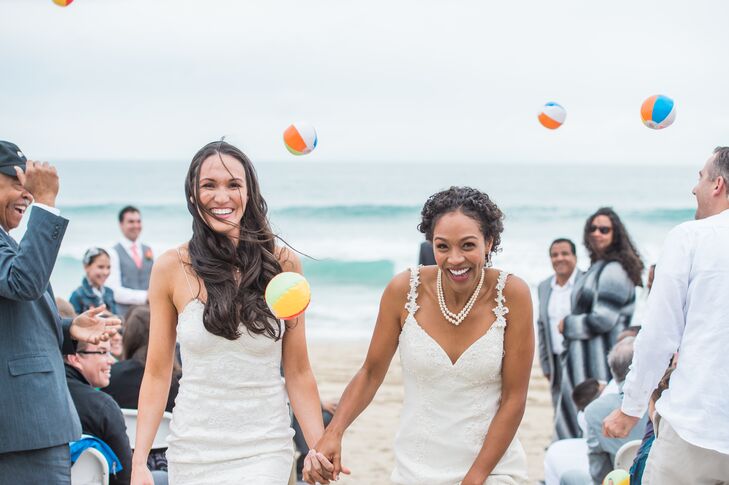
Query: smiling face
[563,259]
[222,194]
[94,362]
[460,249]
[601,233]
[131,225]
[14,201]
[98,270]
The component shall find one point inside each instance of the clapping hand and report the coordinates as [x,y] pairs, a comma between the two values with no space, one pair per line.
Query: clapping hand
[41,180]
[92,328]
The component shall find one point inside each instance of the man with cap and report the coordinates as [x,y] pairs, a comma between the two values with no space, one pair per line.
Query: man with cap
[38,418]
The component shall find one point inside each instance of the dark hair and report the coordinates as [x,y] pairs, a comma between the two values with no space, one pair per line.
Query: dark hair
[214,257]
[473,203]
[721,164]
[136,336]
[91,254]
[585,392]
[126,209]
[564,240]
[621,248]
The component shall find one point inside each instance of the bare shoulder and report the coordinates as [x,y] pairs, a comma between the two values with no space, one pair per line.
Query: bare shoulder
[168,261]
[397,289]
[288,259]
[516,289]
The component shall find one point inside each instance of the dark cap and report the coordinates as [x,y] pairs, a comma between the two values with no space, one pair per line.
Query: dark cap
[10,156]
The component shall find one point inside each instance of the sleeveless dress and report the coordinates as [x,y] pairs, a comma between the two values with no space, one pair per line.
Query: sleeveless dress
[448,407]
[230,423]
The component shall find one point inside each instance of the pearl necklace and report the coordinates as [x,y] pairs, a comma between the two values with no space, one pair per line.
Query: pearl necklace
[457,318]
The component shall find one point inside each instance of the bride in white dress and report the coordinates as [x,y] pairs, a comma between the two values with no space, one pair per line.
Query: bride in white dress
[466,346]
[230,422]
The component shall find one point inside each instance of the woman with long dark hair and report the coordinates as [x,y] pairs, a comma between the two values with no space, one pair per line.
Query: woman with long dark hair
[602,307]
[230,421]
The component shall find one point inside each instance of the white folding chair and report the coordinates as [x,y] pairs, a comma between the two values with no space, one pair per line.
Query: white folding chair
[160,439]
[626,455]
[90,469]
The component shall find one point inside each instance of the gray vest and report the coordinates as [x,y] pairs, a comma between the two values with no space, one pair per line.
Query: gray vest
[131,276]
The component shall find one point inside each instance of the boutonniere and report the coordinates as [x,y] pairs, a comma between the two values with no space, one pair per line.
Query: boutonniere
[148,254]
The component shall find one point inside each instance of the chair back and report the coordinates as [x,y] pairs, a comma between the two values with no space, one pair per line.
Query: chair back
[626,455]
[90,469]
[160,439]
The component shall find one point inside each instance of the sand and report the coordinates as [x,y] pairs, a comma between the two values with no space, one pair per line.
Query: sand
[367,445]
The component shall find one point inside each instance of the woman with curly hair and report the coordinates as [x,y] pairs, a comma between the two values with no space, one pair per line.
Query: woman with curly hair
[602,307]
[230,420]
[466,345]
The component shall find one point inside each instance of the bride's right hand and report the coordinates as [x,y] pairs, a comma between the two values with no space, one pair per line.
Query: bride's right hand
[141,475]
[330,446]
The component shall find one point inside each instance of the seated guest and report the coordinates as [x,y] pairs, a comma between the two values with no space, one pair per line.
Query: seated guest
[65,309]
[116,343]
[582,395]
[100,416]
[126,375]
[92,292]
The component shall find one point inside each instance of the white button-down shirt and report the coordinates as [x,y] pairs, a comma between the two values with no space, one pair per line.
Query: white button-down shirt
[688,308]
[559,306]
[123,295]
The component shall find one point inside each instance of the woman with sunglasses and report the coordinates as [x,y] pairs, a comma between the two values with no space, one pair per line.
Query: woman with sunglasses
[92,292]
[602,306]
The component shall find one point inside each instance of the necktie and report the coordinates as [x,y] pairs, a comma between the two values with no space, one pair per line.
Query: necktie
[135,256]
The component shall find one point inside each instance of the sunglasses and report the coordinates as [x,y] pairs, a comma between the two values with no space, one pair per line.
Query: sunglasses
[602,229]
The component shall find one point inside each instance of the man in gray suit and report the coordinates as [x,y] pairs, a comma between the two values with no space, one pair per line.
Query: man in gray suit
[554,304]
[37,417]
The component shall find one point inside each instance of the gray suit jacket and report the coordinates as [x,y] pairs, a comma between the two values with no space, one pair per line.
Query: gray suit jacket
[36,410]
[546,352]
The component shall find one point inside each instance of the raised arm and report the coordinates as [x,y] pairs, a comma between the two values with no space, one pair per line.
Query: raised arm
[515,372]
[367,380]
[158,369]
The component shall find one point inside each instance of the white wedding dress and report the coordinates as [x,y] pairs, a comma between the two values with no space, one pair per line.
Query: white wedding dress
[448,407]
[230,422]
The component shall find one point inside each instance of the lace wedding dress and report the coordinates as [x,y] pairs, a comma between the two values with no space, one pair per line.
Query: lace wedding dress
[230,422]
[449,406]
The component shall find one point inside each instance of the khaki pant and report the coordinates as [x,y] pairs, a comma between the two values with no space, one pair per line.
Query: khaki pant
[675,461]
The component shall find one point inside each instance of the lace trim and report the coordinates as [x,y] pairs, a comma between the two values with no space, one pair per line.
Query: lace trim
[500,310]
[412,304]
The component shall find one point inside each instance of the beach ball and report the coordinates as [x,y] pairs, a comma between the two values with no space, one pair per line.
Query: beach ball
[62,3]
[658,112]
[617,477]
[287,295]
[300,138]
[552,115]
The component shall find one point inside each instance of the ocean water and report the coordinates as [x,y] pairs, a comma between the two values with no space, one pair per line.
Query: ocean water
[358,222]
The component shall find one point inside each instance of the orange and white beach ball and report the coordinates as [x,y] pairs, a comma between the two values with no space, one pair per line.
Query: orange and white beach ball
[287,295]
[658,112]
[62,3]
[300,138]
[617,477]
[552,115]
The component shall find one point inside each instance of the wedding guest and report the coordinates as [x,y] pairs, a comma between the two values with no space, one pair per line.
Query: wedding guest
[92,292]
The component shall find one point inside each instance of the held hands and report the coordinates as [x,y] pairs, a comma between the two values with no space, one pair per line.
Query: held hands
[317,469]
[618,424]
[91,328]
[328,452]
[41,180]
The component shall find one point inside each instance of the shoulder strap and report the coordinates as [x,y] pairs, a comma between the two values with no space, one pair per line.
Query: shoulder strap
[412,304]
[184,271]
[500,310]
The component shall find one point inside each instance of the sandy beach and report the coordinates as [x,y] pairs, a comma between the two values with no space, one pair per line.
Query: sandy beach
[367,446]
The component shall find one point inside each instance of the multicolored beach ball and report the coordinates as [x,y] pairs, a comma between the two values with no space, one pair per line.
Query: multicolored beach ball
[617,477]
[287,295]
[552,115]
[300,138]
[658,112]
[62,3]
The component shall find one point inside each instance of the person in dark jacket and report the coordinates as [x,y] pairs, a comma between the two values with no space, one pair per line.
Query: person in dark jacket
[100,415]
[92,292]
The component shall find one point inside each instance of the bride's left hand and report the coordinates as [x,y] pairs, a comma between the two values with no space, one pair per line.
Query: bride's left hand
[317,469]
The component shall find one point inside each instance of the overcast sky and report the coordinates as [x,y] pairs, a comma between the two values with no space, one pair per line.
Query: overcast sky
[381,81]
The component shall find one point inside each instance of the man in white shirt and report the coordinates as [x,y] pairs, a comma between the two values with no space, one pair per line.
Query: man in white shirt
[555,294]
[131,263]
[687,309]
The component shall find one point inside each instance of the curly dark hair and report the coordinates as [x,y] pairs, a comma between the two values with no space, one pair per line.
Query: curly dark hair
[621,249]
[473,203]
[214,257]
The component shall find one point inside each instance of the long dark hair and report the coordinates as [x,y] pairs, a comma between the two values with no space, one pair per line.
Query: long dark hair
[214,257]
[621,249]
[136,337]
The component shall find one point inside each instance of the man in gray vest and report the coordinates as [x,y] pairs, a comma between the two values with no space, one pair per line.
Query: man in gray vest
[37,416]
[131,263]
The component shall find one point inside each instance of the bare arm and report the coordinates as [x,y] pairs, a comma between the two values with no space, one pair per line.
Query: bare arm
[158,369]
[367,380]
[515,372]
